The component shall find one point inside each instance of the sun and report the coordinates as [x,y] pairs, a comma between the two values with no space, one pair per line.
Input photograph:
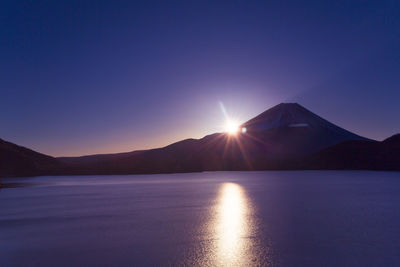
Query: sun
[231,127]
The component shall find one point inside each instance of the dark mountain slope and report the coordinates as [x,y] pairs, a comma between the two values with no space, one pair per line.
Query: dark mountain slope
[359,155]
[20,161]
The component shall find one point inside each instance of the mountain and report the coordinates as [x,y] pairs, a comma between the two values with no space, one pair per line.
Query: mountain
[291,129]
[20,161]
[287,136]
[272,140]
[358,155]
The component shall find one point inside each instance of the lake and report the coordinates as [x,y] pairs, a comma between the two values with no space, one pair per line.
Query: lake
[282,218]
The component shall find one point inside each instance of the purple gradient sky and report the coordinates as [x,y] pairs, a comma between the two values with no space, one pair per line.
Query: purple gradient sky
[78,77]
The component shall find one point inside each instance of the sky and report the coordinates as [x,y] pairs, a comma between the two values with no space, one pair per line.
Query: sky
[89,77]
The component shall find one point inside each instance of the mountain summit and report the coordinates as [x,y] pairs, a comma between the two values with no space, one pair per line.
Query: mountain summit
[290,115]
[293,129]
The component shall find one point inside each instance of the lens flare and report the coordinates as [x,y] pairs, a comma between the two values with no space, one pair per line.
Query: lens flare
[231,127]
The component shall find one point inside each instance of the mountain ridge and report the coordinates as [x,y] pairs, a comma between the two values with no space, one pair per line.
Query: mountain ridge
[286,136]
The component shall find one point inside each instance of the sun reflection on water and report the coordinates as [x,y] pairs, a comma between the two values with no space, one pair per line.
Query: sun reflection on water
[232,226]
[231,234]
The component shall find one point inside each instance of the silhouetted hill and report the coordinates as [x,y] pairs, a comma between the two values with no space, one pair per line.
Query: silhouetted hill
[358,155]
[20,161]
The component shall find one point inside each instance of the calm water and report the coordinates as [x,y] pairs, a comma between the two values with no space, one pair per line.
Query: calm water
[300,218]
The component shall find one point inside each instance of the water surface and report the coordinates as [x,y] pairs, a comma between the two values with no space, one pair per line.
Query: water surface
[296,218]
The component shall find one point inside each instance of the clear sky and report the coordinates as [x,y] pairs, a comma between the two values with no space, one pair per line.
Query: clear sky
[85,77]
